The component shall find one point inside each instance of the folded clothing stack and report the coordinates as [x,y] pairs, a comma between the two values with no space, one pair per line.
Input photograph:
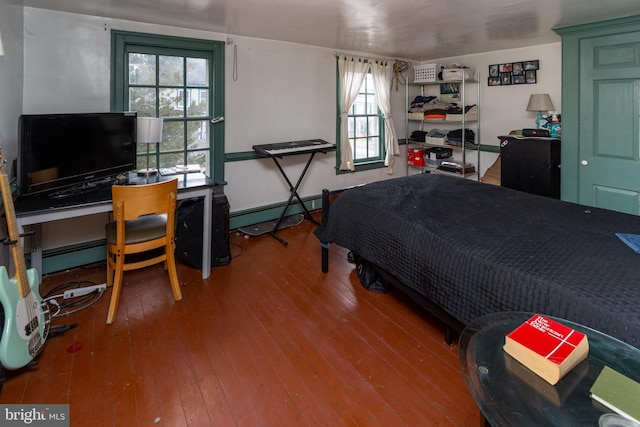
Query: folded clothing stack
[454,113]
[436,110]
[454,137]
[418,135]
[417,105]
[436,137]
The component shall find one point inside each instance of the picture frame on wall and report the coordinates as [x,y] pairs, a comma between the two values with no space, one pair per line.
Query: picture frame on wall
[513,73]
[530,76]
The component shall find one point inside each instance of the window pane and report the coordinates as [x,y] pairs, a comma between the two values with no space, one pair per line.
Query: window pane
[361,149]
[171,70]
[198,134]
[374,147]
[198,158]
[172,102]
[170,160]
[172,137]
[373,126]
[197,72]
[142,100]
[142,156]
[361,126]
[198,104]
[359,107]
[142,69]
[352,127]
[372,107]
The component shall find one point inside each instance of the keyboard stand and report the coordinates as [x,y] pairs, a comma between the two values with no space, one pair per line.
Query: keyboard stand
[293,192]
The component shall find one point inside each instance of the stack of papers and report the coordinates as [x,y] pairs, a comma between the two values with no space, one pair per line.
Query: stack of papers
[180,169]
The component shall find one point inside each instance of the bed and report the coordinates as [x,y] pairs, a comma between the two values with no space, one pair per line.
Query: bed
[463,249]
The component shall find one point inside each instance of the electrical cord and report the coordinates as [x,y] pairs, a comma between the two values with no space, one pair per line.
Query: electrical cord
[70,305]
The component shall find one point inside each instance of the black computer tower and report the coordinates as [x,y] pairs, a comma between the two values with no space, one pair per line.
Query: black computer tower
[531,165]
[189,231]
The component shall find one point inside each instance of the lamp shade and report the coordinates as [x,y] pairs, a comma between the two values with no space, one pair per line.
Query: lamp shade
[149,130]
[1,47]
[540,102]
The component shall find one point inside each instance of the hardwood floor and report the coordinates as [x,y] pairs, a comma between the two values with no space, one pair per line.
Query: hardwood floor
[268,340]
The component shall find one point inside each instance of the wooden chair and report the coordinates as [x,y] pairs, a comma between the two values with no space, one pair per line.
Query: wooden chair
[144,220]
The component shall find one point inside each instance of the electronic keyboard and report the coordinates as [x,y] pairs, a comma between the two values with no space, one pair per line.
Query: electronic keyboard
[293,147]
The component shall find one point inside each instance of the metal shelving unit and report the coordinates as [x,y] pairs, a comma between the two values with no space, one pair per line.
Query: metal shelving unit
[461,151]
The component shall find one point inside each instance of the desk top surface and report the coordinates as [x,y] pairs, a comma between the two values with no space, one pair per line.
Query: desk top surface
[510,394]
[100,192]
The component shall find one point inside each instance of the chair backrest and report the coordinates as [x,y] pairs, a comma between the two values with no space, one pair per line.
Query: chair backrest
[136,200]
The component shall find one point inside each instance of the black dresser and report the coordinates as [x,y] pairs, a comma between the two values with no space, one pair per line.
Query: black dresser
[531,164]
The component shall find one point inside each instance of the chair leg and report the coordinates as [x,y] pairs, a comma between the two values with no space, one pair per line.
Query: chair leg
[117,286]
[109,269]
[173,273]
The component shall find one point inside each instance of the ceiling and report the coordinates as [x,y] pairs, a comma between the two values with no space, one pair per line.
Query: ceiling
[416,30]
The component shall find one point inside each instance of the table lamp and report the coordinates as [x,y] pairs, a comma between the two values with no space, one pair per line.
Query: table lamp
[540,102]
[149,131]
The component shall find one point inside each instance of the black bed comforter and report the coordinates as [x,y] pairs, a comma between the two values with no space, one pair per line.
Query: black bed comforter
[474,248]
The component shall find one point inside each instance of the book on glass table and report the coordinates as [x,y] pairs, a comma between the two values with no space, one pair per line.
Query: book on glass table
[546,347]
[618,393]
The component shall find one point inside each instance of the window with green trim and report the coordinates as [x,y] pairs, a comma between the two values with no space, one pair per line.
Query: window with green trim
[180,80]
[366,130]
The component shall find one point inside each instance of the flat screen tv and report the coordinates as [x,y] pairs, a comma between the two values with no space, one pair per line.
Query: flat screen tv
[64,150]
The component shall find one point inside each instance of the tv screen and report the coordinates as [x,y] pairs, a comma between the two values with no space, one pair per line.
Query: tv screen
[62,150]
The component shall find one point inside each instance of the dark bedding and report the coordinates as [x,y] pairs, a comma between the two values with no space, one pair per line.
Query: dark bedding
[473,248]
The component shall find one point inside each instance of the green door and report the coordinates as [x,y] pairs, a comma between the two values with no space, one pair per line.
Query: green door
[609,116]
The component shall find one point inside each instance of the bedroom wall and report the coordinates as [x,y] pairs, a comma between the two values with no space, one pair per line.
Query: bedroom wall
[283,91]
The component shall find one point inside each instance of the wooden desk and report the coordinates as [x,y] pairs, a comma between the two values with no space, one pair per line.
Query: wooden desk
[31,213]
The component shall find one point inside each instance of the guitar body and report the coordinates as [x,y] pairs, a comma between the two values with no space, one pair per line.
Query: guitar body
[26,321]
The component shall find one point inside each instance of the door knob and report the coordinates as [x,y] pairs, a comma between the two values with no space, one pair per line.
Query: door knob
[584,163]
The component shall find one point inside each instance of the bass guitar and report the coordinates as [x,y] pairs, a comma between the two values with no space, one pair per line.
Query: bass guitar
[26,316]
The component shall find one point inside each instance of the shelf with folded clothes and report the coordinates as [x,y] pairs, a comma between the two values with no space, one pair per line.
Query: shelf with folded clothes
[435,120]
[453,114]
[449,138]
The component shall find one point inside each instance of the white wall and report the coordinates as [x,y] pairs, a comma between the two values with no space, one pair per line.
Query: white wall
[10,77]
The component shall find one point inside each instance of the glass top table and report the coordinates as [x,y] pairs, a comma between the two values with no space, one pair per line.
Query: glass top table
[508,394]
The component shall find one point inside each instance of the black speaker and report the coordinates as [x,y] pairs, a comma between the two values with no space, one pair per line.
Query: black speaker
[189,231]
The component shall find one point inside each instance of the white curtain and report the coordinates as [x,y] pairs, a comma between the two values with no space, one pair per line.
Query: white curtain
[382,73]
[352,72]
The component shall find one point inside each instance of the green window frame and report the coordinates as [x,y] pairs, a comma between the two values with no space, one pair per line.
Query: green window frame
[181,80]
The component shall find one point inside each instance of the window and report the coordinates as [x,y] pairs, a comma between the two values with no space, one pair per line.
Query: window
[365,132]
[180,80]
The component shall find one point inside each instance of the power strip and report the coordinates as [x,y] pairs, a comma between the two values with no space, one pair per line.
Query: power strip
[79,292]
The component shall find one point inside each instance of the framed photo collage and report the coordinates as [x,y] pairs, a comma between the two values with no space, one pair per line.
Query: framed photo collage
[513,73]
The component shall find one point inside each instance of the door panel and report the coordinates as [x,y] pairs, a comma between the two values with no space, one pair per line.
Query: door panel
[609,153]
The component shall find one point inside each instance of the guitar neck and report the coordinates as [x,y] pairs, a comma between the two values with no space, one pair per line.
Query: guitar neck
[14,235]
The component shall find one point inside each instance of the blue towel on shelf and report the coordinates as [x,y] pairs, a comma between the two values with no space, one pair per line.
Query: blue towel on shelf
[631,240]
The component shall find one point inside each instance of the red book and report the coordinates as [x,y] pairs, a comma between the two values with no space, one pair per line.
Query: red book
[548,348]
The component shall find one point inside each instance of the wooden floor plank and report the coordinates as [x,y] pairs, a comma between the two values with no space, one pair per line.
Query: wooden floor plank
[266,340]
